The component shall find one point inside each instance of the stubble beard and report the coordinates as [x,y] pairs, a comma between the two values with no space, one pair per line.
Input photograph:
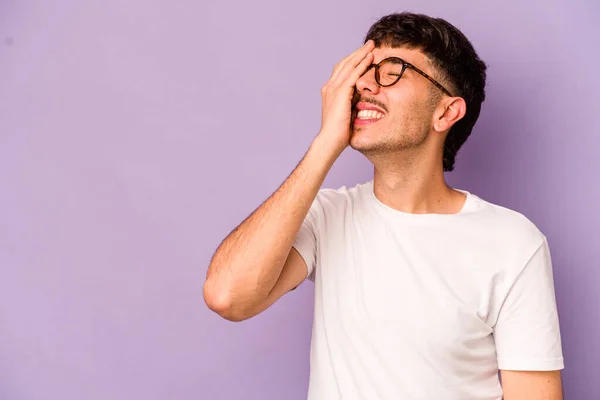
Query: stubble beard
[391,141]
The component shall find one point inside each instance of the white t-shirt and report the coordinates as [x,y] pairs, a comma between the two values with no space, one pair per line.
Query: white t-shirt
[424,306]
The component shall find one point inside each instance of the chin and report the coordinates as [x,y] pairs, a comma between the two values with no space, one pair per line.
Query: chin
[364,146]
[363,139]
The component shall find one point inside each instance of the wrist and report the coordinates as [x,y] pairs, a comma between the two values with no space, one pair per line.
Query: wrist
[329,146]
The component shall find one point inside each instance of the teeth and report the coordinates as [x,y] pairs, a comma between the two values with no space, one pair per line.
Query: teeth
[369,114]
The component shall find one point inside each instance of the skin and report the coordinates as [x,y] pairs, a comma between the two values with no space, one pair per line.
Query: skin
[535,385]
[256,264]
[406,146]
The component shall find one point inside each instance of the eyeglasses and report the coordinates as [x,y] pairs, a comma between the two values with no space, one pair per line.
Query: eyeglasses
[390,70]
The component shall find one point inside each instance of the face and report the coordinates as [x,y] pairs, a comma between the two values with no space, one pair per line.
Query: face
[407,107]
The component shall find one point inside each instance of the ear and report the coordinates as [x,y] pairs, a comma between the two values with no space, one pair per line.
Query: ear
[450,111]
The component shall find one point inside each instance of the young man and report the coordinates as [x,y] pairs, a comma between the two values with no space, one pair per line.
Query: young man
[422,291]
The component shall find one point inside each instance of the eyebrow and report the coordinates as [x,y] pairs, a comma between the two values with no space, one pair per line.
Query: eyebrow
[388,56]
[391,55]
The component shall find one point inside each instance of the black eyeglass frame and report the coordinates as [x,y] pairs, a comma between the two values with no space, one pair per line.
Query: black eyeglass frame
[405,65]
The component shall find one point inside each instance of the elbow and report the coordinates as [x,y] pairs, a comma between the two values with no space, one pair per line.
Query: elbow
[222,303]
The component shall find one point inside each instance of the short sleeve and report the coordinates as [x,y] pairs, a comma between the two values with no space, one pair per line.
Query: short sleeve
[527,334]
[306,241]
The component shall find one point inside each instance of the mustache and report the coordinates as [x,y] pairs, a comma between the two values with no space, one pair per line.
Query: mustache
[356,98]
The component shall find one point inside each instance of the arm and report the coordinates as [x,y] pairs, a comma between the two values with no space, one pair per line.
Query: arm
[256,264]
[527,333]
[249,262]
[531,385]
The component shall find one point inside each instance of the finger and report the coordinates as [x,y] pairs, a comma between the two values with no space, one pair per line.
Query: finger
[350,67]
[359,70]
[367,47]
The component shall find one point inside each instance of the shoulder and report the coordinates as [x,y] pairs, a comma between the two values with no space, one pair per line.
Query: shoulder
[508,226]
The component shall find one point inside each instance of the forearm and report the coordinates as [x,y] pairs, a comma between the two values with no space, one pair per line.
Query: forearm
[248,262]
[532,385]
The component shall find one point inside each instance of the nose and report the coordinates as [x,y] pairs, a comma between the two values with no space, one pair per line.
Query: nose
[367,82]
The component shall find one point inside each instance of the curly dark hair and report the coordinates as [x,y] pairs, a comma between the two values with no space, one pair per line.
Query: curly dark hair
[453,57]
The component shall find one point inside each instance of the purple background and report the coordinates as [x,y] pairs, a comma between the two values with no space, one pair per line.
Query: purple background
[135,135]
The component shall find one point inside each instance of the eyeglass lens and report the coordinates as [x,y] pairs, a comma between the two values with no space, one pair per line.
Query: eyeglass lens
[388,72]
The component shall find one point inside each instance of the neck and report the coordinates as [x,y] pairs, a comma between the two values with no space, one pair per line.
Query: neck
[415,184]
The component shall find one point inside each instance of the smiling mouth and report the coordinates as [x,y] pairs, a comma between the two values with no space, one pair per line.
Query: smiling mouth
[369,115]
[365,117]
